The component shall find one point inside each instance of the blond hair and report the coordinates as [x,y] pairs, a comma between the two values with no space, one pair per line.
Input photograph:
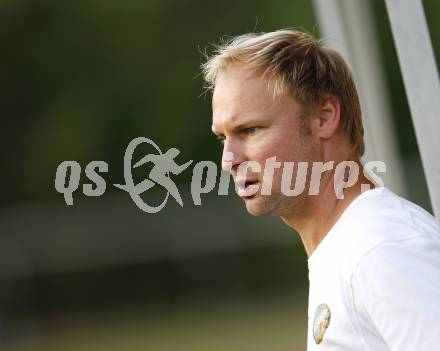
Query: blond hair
[297,64]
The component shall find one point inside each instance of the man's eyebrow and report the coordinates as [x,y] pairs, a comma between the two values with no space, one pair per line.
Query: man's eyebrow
[242,125]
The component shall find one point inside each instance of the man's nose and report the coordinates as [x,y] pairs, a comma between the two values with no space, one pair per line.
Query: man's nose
[232,156]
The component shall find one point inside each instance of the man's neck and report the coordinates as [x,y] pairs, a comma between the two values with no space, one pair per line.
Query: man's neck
[324,210]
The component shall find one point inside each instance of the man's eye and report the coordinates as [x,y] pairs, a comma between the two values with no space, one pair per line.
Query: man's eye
[251,130]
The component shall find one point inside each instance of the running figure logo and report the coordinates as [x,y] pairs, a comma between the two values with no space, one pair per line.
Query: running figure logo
[163,165]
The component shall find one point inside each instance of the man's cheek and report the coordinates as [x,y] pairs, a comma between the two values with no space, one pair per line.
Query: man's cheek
[270,174]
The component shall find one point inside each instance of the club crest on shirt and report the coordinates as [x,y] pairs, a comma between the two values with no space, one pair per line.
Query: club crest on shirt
[321,322]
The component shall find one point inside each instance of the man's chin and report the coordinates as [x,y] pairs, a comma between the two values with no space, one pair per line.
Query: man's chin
[256,207]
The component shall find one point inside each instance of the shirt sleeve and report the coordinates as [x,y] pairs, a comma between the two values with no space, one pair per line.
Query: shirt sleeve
[396,289]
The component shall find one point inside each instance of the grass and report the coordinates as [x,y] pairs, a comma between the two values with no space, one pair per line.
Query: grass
[271,323]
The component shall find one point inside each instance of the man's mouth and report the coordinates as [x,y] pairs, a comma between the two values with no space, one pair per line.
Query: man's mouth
[248,183]
[247,187]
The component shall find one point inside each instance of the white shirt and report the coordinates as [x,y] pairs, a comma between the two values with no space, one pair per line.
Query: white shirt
[375,279]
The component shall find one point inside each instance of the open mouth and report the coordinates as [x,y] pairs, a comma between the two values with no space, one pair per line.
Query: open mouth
[247,184]
[246,188]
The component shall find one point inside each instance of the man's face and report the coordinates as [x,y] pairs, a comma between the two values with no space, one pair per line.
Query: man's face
[255,126]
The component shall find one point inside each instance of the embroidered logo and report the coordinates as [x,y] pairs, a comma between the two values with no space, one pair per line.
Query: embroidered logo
[321,322]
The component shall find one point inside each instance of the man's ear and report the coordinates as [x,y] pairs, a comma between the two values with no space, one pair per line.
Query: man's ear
[329,116]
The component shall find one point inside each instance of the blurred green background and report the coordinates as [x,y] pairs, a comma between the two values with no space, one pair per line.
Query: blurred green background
[78,81]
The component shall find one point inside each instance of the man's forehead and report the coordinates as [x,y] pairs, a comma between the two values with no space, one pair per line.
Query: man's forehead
[235,108]
[236,91]
[237,80]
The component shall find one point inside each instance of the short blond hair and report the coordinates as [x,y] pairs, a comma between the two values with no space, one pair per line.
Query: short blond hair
[296,63]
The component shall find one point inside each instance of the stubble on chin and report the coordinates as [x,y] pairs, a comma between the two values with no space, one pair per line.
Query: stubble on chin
[278,205]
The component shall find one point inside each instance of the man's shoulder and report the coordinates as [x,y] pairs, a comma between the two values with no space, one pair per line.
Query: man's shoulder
[378,217]
[396,270]
[380,214]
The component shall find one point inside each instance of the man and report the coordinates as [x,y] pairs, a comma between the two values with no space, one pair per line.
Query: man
[374,258]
